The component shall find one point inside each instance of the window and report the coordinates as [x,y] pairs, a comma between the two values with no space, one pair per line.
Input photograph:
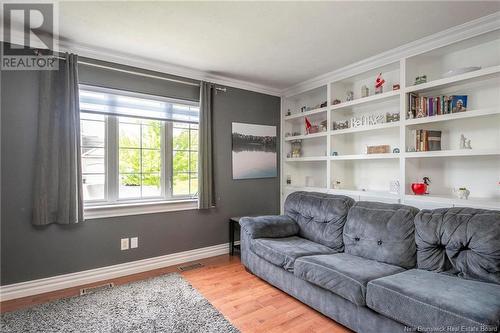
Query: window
[185,159]
[137,148]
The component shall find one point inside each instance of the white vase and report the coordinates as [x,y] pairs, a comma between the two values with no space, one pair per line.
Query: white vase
[463,193]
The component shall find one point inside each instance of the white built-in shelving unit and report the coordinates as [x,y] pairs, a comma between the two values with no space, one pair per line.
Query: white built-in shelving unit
[365,176]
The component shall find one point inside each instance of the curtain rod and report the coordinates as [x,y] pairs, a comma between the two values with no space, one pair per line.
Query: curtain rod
[195,84]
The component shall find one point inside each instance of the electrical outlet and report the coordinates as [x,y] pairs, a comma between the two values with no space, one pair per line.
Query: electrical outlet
[124,244]
[134,242]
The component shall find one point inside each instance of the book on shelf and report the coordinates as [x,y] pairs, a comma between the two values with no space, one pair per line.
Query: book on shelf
[428,106]
[426,140]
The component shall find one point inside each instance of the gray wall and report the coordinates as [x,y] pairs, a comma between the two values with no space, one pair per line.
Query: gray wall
[30,253]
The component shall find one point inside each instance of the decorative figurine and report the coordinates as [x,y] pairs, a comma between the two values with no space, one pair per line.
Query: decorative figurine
[379,84]
[336,184]
[394,187]
[464,142]
[323,125]
[349,96]
[395,86]
[296,148]
[421,188]
[289,180]
[396,151]
[310,129]
[365,92]
[421,113]
[336,101]
[463,193]
[303,109]
[288,113]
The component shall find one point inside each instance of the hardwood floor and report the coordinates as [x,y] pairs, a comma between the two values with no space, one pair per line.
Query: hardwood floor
[249,303]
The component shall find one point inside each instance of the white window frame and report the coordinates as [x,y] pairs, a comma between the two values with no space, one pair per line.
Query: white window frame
[112,205]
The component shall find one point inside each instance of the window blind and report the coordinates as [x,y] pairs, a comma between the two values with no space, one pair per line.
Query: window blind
[129,104]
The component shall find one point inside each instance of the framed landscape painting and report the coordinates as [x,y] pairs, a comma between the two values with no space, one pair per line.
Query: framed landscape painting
[254,151]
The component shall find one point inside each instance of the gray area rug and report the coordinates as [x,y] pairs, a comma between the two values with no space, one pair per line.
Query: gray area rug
[164,304]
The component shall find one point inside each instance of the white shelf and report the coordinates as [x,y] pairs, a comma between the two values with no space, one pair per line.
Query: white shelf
[380,194]
[306,136]
[480,74]
[477,168]
[364,100]
[365,128]
[305,188]
[449,201]
[365,157]
[306,113]
[453,153]
[453,116]
[306,159]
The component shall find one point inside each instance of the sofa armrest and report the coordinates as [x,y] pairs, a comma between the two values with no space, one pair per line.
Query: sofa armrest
[271,226]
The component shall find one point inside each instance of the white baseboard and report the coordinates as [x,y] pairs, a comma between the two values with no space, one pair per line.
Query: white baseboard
[40,286]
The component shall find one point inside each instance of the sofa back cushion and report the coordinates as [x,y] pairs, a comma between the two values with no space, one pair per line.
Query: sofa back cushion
[320,216]
[382,232]
[462,241]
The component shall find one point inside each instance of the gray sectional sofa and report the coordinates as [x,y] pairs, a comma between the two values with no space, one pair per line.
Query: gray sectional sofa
[381,268]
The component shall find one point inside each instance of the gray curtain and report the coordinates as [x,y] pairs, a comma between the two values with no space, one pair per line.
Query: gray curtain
[206,190]
[58,191]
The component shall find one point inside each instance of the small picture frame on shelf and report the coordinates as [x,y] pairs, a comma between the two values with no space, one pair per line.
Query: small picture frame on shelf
[421,79]
[391,117]
[349,96]
[458,103]
[339,125]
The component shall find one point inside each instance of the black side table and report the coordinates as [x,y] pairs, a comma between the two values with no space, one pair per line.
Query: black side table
[234,225]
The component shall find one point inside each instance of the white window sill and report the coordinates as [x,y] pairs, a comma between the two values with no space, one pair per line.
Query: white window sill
[95,212]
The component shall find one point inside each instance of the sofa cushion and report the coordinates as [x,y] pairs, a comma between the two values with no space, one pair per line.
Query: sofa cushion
[269,226]
[463,241]
[343,274]
[382,232]
[320,216]
[283,251]
[427,299]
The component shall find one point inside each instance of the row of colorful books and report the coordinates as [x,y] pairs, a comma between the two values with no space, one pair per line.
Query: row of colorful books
[423,106]
[426,140]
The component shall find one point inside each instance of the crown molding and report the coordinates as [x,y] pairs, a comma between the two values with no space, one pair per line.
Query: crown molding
[452,35]
[160,66]
[121,58]
[467,30]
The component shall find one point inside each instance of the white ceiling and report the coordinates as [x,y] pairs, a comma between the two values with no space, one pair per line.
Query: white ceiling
[275,44]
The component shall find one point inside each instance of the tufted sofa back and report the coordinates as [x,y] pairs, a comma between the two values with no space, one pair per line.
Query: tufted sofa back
[382,232]
[320,216]
[462,241]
